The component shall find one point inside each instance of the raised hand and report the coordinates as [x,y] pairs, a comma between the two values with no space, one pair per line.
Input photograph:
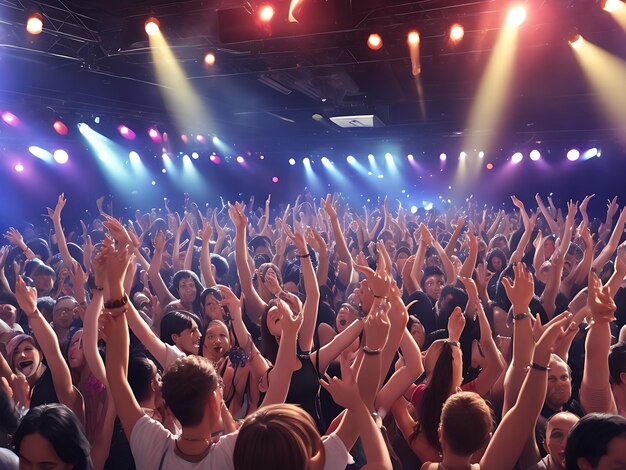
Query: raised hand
[599,300]
[329,207]
[159,241]
[26,297]
[290,321]
[378,280]
[583,205]
[55,214]
[14,237]
[611,208]
[297,238]
[345,390]
[206,232]
[521,292]
[118,232]
[238,216]
[456,324]
[230,300]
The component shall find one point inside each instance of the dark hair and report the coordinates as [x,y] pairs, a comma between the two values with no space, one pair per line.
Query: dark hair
[466,422]
[46,305]
[43,270]
[140,374]
[62,429]
[590,437]
[430,271]
[435,394]
[203,337]
[40,247]
[445,307]
[9,417]
[185,274]
[187,385]
[496,253]
[221,265]
[617,361]
[269,345]
[175,322]
[31,265]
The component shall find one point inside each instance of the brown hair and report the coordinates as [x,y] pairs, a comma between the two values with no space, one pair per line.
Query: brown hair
[466,422]
[282,437]
[187,385]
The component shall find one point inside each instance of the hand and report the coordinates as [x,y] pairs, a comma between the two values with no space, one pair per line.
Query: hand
[206,232]
[377,327]
[238,216]
[611,208]
[230,300]
[271,282]
[297,238]
[583,205]
[517,203]
[26,297]
[314,238]
[116,263]
[329,207]
[79,277]
[398,312]
[426,235]
[572,208]
[521,292]
[456,324]
[599,301]
[553,334]
[218,228]
[483,275]
[538,240]
[55,214]
[15,238]
[159,242]
[472,292]
[290,321]
[344,391]
[378,281]
[4,252]
[118,232]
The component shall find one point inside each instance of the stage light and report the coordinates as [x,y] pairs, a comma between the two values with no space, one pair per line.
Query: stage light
[576,41]
[40,153]
[443,157]
[184,138]
[200,138]
[489,166]
[126,132]
[154,135]
[240,159]
[186,160]
[374,41]
[590,153]
[410,157]
[292,161]
[516,16]
[163,171]
[195,155]
[371,159]
[209,59]
[34,24]
[481,154]
[153,183]
[215,140]
[456,32]
[275,179]
[413,209]
[10,118]
[462,155]
[165,156]
[306,161]
[61,156]
[134,157]
[535,155]
[60,128]
[380,176]
[326,161]
[152,26]
[413,38]
[612,5]
[266,13]
[19,167]
[389,158]
[427,205]
[517,157]
[573,155]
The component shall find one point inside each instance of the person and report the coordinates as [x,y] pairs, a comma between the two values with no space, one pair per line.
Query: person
[598,442]
[51,436]
[557,431]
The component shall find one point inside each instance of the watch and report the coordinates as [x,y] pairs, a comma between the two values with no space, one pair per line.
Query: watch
[521,316]
[115,304]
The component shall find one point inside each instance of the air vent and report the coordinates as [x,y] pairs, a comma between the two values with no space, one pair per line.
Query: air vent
[365,120]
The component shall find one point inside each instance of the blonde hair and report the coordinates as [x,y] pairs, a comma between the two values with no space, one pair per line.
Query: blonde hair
[281,437]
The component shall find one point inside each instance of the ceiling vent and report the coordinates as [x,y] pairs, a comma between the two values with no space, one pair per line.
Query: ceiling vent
[364,120]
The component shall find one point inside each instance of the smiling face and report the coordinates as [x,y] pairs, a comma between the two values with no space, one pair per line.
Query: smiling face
[75,353]
[26,359]
[8,313]
[216,341]
[64,312]
[187,290]
[188,339]
[212,308]
[556,435]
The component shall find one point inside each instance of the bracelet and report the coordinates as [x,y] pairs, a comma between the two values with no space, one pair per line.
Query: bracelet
[521,316]
[380,296]
[115,304]
[308,255]
[370,352]
[536,366]
[454,343]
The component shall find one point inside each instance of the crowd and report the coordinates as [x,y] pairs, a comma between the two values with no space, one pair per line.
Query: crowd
[316,335]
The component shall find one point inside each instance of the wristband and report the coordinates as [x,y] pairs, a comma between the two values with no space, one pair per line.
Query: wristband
[380,296]
[308,255]
[116,303]
[521,316]
[370,352]
[454,343]
[536,366]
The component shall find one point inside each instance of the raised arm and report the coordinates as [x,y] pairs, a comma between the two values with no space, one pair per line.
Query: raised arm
[460,223]
[314,238]
[341,246]
[595,390]
[47,339]
[554,227]
[529,225]
[15,238]
[205,254]
[90,335]
[426,238]
[470,262]
[55,215]
[611,246]
[154,273]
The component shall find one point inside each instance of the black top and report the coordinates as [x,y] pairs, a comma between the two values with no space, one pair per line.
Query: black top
[43,391]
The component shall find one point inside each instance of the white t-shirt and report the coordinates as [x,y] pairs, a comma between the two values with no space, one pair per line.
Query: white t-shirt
[153,448]
[171,354]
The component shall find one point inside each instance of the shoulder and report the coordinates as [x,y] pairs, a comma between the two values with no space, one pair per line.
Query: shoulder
[337,456]
[171,354]
[148,440]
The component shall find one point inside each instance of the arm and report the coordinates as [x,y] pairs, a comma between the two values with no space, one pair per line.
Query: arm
[90,337]
[176,246]
[58,230]
[448,267]
[161,290]
[611,246]
[205,254]
[494,226]
[341,247]
[460,223]
[539,256]
[529,225]
[548,296]
[314,239]
[332,350]
[546,215]
[417,270]
[47,339]
[470,262]
[581,272]
[15,238]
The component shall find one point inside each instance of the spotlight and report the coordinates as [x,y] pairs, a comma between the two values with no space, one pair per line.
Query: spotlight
[443,157]
[275,179]
[374,41]
[152,26]
[517,157]
[590,153]
[516,16]
[576,41]
[215,140]
[61,156]
[535,155]
[351,160]
[40,153]
[10,118]
[413,209]
[200,138]
[209,59]
[184,138]
[371,158]
[60,128]
[410,157]
[389,157]
[195,155]
[462,155]
[481,154]
[153,183]
[154,135]
[163,171]
[34,24]
[456,32]
[612,5]
[292,161]
[266,13]
[215,159]
[240,159]
[134,157]
[126,132]
[573,155]
[413,38]
[19,167]
[325,161]
[489,166]
[306,161]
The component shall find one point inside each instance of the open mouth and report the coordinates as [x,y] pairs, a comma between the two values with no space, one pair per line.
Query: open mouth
[26,367]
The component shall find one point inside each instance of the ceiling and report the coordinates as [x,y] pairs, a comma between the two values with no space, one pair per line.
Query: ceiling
[266,87]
